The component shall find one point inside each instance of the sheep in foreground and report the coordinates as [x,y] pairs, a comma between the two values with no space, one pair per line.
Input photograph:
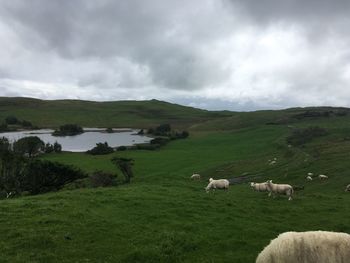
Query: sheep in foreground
[309,178]
[322,176]
[196,177]
[280,189]
[347,189]
[217,184]
[260,187]
[307,247]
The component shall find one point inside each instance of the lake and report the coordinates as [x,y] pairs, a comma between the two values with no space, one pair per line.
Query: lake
[84,141]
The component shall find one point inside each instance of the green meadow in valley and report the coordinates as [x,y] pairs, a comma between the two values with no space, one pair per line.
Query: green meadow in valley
[162,215]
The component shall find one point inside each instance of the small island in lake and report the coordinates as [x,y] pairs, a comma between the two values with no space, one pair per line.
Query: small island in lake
[68,130]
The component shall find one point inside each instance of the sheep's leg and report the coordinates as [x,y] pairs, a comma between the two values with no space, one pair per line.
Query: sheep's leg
[270,193]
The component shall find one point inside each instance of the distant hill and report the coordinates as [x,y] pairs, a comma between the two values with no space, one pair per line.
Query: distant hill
[138,114]
[144,114]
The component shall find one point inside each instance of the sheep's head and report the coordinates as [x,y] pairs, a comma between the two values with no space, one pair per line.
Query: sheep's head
[210,180]
[252,184]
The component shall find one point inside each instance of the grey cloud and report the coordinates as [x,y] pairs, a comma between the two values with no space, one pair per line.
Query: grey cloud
[173,49]
[162,36]
[269,10]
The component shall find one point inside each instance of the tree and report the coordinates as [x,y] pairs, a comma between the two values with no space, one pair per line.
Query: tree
[48,148]
[57,148]
[31,146]
[4,145]
[125,166]
[163,129]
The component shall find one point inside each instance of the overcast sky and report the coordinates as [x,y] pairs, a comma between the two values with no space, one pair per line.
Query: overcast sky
[212,54]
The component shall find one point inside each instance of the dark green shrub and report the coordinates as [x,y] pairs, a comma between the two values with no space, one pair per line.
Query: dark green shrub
[40,176]
[122,148]
[102,179]
[57,148]
[48,148]
[101,148]
[26,124]
[301,136]
[30,146]
[146,146]
[11,120]
[160,140]
[3,127]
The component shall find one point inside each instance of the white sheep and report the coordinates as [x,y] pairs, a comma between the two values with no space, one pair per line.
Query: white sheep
[309,178]
[273,162]
[217,184]
[280,189]
[347,189]
[310,247]
[260,187]
[322,176]
[196,176]
[310,174]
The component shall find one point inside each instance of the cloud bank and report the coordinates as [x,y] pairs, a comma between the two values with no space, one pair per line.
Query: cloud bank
[228,54]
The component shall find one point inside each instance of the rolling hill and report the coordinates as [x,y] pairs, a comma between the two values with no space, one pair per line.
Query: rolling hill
[163,216]
[133,114]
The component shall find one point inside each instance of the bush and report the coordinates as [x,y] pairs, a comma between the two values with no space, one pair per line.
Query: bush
[57,148]
[19,174]
[48,148]
[102,179]
[3,127]
[162,129]
[302,136]
[101,148]
[146,146]
[11,120]
[42,176]
[109,130]
[160,141]
[122,148]
[27,124]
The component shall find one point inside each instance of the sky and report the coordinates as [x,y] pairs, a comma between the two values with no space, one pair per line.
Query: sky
[213,54]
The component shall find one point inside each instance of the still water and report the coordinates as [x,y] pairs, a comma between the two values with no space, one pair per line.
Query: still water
[84,141]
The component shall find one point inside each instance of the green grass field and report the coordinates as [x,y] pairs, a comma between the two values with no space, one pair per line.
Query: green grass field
[163,216]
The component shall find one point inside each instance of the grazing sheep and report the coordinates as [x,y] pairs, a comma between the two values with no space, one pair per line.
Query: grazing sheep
[273,162]
[322,176]
[310,174]
[307,247]
[347,189]
[196,176]
[260,187]
[309,178]
[280,189]
[217,184]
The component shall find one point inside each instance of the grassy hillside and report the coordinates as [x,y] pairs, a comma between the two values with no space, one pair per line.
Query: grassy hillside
[134,114]
[163,216]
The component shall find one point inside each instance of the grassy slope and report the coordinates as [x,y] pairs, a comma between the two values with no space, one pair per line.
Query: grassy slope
[164,217]
[137,114]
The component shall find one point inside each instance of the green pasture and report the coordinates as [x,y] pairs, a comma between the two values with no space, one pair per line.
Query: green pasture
[163,216]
